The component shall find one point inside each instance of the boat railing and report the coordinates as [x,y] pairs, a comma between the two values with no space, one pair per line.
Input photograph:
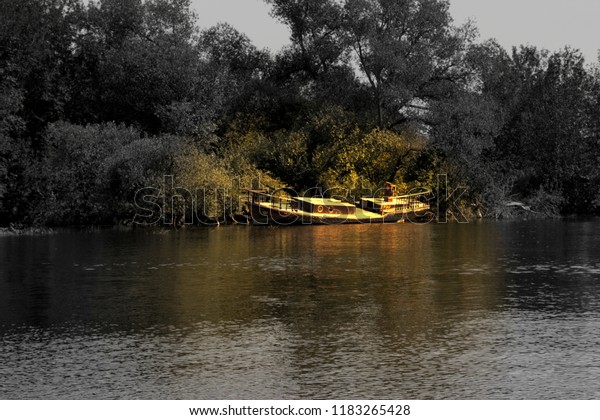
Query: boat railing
[276,202]
[412,202]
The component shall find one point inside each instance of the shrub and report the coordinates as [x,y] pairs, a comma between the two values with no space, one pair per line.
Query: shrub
[70,181]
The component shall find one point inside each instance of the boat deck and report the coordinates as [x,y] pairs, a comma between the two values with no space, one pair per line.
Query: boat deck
[275,212]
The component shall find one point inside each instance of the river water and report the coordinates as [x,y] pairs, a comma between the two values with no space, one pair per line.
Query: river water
[505,310]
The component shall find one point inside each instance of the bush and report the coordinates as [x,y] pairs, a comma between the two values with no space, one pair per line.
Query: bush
[70,180]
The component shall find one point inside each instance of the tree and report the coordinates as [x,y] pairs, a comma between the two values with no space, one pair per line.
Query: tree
[525,128]
[370,158]
[36,39]
[69,182]
[408,52]
[234,70]
[316,33]
[134,60]
[11,149]
[316,66]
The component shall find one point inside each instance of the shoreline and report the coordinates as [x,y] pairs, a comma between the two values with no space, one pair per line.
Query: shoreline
[25,231]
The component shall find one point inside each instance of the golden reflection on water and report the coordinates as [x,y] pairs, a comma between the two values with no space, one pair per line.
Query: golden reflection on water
[401,281]
[405,279]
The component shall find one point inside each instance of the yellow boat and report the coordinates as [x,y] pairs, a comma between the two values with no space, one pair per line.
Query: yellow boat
[267,208]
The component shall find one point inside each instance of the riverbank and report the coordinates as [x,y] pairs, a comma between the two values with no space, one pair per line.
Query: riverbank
[20,230]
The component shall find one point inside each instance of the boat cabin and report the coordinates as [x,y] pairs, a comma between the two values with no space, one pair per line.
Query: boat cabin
[264,197]
[320,205]
[392,203]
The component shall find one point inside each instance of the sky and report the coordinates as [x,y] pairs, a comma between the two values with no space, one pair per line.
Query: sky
[550,24]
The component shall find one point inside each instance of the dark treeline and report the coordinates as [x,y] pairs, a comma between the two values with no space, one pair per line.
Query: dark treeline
[100,99]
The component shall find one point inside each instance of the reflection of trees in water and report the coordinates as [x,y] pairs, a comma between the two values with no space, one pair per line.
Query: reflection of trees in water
[338,309]
[452,278]
[313,278]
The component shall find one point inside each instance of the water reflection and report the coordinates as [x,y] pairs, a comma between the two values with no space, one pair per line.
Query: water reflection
[486,310]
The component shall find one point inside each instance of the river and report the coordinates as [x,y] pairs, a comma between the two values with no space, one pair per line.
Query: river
[490,310]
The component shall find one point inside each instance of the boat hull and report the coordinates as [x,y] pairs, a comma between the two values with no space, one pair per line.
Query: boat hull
[265,214]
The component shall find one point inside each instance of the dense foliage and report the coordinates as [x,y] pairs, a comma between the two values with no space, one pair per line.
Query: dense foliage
[105,105]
